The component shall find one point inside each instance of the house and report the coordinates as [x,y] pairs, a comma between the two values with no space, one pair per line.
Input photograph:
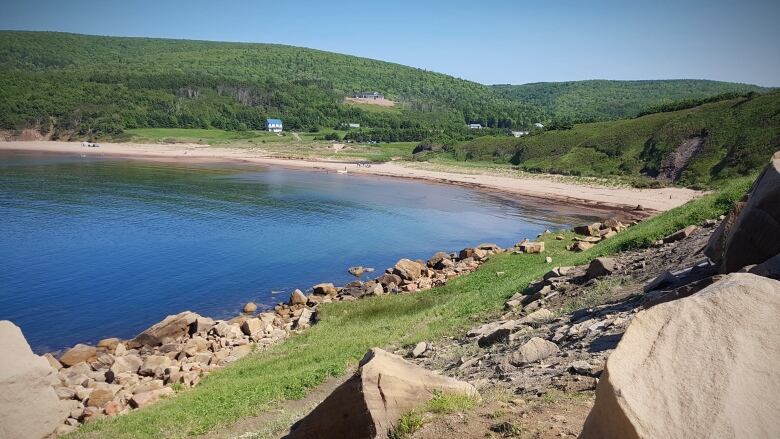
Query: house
[273,125]
[368,95]
[520,133]
[354,125]
[475,126]
[538,125]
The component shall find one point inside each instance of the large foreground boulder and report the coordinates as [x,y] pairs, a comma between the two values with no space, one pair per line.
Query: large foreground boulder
[170,329]
[369,404]
[752,233]
[701,366]
[29,407]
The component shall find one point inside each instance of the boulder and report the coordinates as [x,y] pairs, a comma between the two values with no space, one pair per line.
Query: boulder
[325,289]
[588,230]
[53,362]
[538,317]
[144,399]
[407,269]
[250,308]
[600,267]
[359,270]
[533,350]
[751,237]
[126,364]
[154,365]
[531,247]
[204,324]
[77,354]
[466,253]
[252,326]
[387,279]
[297,298]
[419,349]
[436,259]
[370,403]
[704,365]
[29,406]
[171,328]
[99,397]
[109,344]
[680,234]
[581,246]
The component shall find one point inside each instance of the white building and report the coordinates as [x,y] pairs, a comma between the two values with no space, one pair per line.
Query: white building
[538,125]
[520,133]
[354,125]
[273,125]
[368,95]
[475,126]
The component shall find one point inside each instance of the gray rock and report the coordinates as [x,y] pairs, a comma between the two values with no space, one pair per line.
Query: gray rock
[533,350]
[601,267]
[419,349]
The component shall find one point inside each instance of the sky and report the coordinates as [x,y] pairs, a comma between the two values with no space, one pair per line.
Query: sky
[492,42]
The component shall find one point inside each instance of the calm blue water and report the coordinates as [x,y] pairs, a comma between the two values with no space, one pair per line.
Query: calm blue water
[92,248]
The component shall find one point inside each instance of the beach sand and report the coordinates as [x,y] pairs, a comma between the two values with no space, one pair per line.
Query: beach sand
[548,189]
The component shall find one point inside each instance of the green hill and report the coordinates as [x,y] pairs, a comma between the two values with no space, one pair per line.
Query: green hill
[598,100]
[695,146]
[92,84]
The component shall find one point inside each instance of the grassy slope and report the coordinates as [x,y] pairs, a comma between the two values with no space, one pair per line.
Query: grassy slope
[603,100]
[740,134]
[348,330]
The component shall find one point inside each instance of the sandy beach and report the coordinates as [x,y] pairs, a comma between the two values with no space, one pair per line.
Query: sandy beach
[594,196]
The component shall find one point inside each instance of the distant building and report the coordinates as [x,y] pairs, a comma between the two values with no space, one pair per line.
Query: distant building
[538,125]
[520,133]
[353,125]
[368,95]
[273,125]
[475,126]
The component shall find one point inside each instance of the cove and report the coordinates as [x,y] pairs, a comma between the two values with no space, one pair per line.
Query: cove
[105,247]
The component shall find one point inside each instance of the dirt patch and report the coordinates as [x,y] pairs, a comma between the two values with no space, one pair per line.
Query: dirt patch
[675,163]
[27,134]
[378,102]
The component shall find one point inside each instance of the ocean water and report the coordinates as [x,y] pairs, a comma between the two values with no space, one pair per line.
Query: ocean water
[102,247]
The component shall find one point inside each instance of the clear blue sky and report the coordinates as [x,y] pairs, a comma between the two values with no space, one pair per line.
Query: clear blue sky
[485,41]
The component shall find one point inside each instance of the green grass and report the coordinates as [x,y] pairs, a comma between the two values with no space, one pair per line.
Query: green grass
[441,403]
[289,370]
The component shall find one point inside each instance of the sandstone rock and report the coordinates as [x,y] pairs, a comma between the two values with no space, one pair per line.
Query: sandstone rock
[56,365]
[109,344]
[538,317]
[99,397]
[680,234]
[154,365]
[407,269]
[388,278]
[768,268]
[497,334]
[588,230]
[466,253]
[126,364]
[304,320]
[297,298]
[369,404]
[144,399]
[226,330]
[325,289]
[77,354]
[29,406]
[419,349]
[171,328]
[581,246]
[250,308]
[204,324]
[437,258]
[359,270]
[533,350]
[706,365]
[531,247]
[112,408]
[252,326]
[601,267]
[753,237]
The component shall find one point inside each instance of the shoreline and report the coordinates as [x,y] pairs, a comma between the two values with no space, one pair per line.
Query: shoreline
[608,199]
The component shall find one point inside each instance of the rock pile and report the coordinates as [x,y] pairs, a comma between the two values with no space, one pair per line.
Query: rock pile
[594,233]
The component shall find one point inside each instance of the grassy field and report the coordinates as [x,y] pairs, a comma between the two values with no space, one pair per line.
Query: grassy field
[286,145]
[347,330]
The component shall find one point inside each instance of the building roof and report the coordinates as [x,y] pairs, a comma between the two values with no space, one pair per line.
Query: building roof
[273,121]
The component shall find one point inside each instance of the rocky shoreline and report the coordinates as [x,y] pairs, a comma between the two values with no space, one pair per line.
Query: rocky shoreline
[117,376]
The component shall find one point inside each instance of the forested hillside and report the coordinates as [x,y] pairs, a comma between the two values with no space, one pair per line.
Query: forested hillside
[599,100]
[695,146]
[91,84]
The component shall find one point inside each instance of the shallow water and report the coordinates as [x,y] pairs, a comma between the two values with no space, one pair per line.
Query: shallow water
[95,247]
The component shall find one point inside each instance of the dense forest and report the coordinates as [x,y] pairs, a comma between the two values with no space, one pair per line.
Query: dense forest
[695,147]
[599,100]
[90,85]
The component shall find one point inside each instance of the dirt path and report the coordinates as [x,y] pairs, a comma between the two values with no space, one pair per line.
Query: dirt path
[297,137]
[549,189]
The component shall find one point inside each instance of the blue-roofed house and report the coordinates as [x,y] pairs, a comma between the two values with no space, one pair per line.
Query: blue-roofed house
[273,125]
